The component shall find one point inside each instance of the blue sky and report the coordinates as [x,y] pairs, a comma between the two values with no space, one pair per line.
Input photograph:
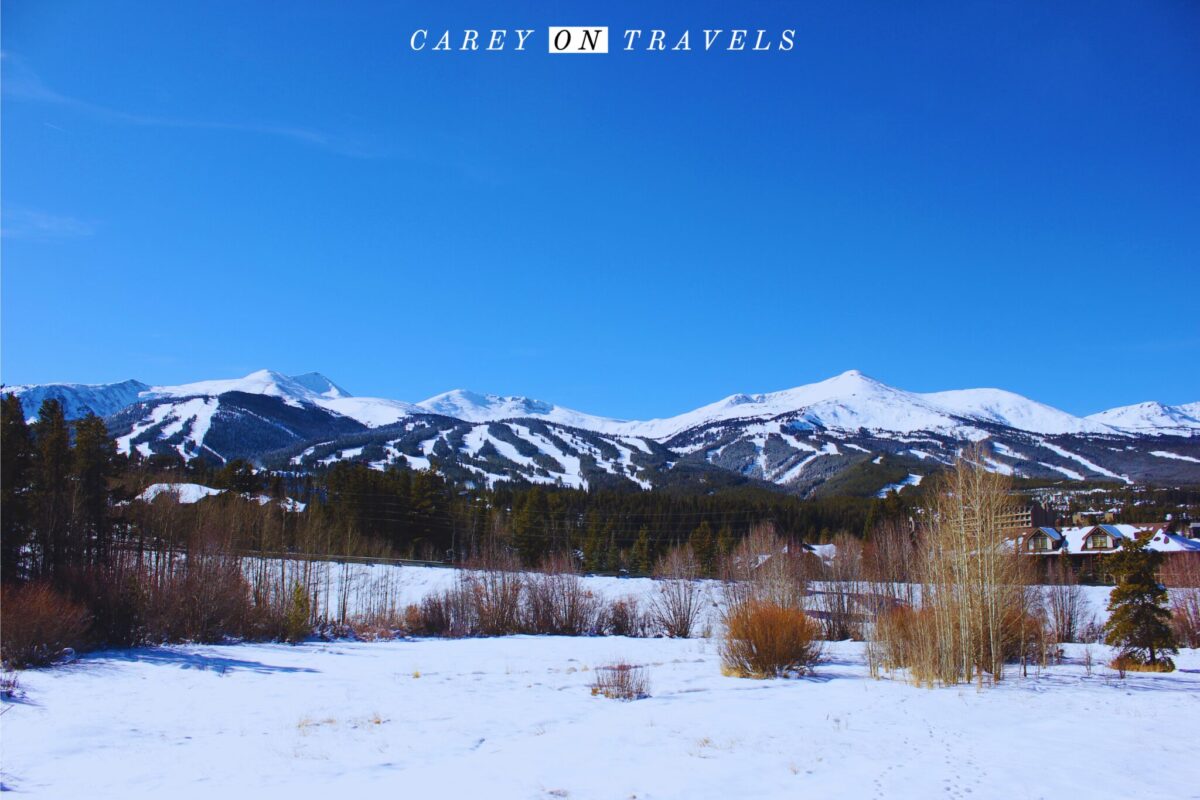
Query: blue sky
[964,194]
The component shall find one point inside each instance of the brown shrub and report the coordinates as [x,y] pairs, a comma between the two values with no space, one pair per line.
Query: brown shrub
[766,567]
[1181,572]
[38,624]
[496,601]
[624,617]
[558,603]
[480,603]
[202,598]
[1185,615]
[1065,604]
[1133,662]
[898,635]
[765,640]
[375,628]
[973,592]
[679,601]
[914,639]
[842,599]
[621,681]
[117,597]
[445,613]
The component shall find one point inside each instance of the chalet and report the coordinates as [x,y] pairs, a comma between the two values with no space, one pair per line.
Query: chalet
[1041,540]
[1081,544]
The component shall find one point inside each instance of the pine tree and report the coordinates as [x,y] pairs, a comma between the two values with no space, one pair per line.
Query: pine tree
[705,547]
[1139,622]
[725,542]
[596,545]
[642,561]
[16,476]
[529,527]
[50,485]
[93,458]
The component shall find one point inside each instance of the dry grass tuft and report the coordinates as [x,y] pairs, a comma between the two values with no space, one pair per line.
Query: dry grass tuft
[1131,662]
[621,681]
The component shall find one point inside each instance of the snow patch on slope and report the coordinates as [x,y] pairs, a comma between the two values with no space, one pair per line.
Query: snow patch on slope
[1153,418]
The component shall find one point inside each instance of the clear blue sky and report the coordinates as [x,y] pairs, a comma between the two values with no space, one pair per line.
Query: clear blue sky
[943,195]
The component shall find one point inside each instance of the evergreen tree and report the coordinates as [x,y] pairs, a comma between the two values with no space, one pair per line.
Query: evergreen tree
[93,459]
[1139,622]
[725,542]
[705,547]
[16,476]
[641,559]
[529,527]
[239,476]
[593,546]
[50,488]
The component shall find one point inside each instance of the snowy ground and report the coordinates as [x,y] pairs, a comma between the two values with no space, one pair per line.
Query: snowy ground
[513,718]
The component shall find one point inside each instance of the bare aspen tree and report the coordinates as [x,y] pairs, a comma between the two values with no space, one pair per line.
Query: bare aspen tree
[766,567]
[973,610]
[841,600]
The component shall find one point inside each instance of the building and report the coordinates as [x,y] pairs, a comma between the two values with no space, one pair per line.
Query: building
[1080,545]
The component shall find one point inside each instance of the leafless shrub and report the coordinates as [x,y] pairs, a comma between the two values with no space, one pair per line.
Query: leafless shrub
[842,599]
[479,603]
[10,685]
[677,605]
[38,625]
[1120,663]
[766,640]
[1181,573]
[890,561]
[909,638]
[1093,630]
[1181,570]
[1065,604]
[621,681]
[376,627]
[624,617]
[765,567]
[202,597]
[496,599]
[973,614]
[450,612]
[557,601]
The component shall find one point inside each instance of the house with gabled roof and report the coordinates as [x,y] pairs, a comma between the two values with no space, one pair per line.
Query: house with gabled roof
[1082,544]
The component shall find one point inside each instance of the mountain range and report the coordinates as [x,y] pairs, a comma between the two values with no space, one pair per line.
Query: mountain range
[848,434]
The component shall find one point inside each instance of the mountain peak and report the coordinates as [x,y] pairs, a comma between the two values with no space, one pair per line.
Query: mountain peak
[1153,417]
[477,407]
[316,382]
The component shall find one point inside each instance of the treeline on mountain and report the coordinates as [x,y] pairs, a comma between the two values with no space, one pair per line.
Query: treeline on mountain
[68,501]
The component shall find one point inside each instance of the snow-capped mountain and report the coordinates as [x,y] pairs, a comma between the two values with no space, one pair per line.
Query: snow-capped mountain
[266,382]
[999,407]
[318,383]
[1153,418]
[849,401]
[78,399]
[475,407]
[850,433]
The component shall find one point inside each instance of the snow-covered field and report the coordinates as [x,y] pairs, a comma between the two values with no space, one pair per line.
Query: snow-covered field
[514,718]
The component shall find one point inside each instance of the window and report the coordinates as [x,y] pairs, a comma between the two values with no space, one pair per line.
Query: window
[1039,543]
[1099,541]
